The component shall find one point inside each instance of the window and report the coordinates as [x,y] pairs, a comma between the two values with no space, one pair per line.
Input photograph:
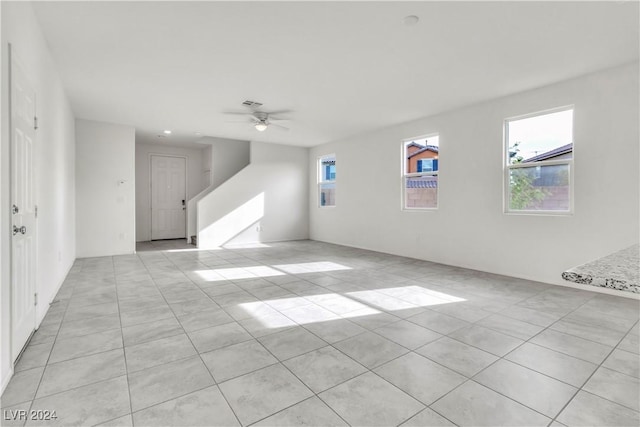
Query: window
[428,165]
[539,161]
[420,172]
[327,180]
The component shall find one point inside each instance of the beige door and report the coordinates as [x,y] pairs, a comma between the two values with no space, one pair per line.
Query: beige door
[168,197]
[23,212]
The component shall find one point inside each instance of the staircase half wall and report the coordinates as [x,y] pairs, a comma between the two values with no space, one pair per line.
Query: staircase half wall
[266,201]
[223,159]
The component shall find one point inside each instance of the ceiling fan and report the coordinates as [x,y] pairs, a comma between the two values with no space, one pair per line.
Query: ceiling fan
[260,120]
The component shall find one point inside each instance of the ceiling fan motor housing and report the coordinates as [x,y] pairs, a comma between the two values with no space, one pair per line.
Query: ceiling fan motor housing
[261,116]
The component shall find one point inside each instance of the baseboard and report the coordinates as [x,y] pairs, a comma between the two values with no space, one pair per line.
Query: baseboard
[560,282]
[40,318]
[104,255]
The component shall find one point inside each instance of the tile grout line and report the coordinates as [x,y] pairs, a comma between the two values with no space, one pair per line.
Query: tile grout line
[280,362]
[368,370]
[502,358]
[51,351]
[365,329]
[215,383]
[52,347]
[578,389]
[124,351]
[581,388]
[371,330]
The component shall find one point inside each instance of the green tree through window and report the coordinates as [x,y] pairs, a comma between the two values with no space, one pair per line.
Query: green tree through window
[523,193]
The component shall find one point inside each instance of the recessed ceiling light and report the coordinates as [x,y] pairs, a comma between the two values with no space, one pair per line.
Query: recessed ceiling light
[167,132]
[198,133]
[410,20]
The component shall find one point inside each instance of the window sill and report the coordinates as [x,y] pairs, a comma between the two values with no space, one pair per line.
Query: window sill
[539,213]
[420,209]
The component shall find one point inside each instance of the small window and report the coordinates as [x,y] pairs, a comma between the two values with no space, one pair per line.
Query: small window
[539,161]
[327,180]
[420,172]
[428,165]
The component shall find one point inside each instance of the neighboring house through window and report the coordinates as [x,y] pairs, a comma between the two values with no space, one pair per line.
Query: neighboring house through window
[539,162]
[327,180]
[420,172]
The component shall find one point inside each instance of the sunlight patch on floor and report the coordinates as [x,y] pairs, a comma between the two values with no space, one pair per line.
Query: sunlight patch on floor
[255,245]
[419,296]
[311,267]
[238,273]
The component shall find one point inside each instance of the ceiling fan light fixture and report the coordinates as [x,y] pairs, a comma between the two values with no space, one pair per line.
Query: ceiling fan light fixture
[261,126]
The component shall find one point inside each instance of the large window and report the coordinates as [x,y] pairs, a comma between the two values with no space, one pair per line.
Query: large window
[539,161]
[327,180]
[420,172]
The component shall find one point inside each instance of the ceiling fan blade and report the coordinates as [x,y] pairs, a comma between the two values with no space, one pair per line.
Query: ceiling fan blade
[278,126]
[276,119]
[236,113]
[275,113]
[239,121]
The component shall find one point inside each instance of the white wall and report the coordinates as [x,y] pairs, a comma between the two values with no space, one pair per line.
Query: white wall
[143,196]
[54,157]
[470,229]
[266,201]
[226,157]
[105,156]
[207,175]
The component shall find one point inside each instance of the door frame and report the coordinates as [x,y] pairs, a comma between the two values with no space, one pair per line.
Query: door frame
[14,354]
[186,186]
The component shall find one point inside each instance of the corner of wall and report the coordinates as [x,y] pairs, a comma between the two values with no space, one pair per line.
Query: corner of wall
[6,368]
[265,202]
[105,189]
[469,226]
[54,157]
[228,158]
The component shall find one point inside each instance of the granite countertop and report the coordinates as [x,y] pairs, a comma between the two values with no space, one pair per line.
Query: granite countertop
[620,270]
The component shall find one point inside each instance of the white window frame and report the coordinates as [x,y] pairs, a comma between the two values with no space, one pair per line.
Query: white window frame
[509,167]
[405,174]
[321,180]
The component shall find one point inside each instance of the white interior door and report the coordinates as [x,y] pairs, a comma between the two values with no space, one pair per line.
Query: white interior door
[168,197]
[23,242]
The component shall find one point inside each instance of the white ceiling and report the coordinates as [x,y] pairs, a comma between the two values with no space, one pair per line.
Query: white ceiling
[342,67]
[180,139]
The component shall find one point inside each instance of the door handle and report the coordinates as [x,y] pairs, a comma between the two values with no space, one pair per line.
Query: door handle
[17,230]
[14,209]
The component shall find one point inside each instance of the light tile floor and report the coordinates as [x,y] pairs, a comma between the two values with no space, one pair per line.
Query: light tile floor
[307,333]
